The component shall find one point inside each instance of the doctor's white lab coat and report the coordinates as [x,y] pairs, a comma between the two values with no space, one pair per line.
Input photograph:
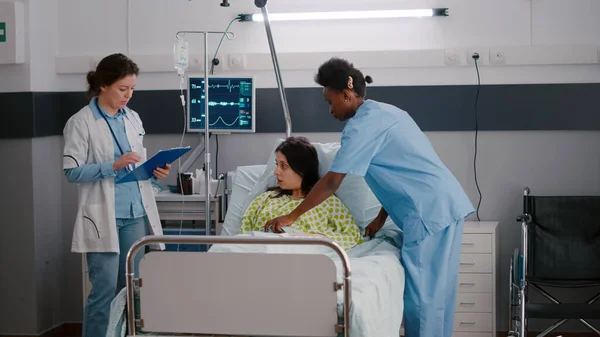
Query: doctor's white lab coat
[89,140]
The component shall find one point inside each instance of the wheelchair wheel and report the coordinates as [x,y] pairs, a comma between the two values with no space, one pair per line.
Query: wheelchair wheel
[514,299]
[511,296]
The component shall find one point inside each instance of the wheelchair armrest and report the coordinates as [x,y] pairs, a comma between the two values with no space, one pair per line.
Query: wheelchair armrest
[524,218]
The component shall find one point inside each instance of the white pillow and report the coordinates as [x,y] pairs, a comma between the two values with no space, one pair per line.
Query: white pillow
[244,181]
[353,192]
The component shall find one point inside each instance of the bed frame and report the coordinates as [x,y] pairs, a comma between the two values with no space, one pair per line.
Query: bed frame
[193,292]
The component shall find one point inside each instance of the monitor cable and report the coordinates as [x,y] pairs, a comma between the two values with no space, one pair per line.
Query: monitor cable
[475,57]
[215,60]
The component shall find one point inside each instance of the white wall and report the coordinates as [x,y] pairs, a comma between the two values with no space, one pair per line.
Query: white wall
[38,72]
[43,30]
[542,40]
[17,73]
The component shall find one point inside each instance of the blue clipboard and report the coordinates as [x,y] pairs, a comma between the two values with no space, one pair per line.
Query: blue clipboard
[160,159]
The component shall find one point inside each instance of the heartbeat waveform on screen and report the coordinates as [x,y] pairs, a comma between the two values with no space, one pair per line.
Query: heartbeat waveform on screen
[212,103]
[223,103]
[227,86]
[199,120]
[222,120]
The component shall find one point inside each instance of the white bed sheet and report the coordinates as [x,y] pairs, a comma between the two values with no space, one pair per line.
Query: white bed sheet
[377,280]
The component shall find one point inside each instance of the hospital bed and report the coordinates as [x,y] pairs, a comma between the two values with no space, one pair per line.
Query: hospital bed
[560,249]
[264,284]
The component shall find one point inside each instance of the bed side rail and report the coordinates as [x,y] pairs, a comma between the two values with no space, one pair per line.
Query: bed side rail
[259,265]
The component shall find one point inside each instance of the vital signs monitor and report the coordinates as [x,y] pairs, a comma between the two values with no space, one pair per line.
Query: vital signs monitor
[231,104]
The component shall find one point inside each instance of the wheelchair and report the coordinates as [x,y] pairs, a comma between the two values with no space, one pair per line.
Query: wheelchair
[560,248]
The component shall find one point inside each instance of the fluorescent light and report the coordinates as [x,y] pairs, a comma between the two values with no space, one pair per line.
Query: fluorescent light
[403,13]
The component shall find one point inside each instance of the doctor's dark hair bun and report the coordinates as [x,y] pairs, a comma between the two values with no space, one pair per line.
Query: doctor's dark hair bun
[335,73]
[109,70]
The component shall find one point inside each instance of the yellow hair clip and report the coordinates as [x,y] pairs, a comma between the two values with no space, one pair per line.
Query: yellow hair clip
[350,85]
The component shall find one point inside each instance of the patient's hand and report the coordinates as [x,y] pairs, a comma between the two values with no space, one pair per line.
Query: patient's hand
[277,223]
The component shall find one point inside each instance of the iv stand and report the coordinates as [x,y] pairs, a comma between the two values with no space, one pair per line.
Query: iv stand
[262,4]
[206,120]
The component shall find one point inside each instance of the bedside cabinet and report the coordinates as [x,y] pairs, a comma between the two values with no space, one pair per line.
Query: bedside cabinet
[476,299]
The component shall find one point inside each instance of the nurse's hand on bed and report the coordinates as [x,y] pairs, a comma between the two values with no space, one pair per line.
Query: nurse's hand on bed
[374,227]
[276,224]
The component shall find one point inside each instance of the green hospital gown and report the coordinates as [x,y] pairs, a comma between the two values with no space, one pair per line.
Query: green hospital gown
[330,218]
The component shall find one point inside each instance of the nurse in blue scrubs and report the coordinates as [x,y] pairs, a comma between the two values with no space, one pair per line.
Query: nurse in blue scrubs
[383,143]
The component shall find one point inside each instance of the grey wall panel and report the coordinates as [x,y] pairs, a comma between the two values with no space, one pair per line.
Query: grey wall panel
[434,108]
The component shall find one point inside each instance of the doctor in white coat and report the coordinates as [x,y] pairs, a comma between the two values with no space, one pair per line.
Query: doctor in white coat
[103,142]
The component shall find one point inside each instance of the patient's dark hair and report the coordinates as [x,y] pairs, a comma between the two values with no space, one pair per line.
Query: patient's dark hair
[109,70]
[302,157]
[334,74]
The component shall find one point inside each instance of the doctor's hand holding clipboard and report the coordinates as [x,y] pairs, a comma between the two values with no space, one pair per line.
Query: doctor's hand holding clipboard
[158,166]
[128,161]
[161,173]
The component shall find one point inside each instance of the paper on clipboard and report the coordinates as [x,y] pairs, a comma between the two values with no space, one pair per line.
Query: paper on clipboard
[160,159]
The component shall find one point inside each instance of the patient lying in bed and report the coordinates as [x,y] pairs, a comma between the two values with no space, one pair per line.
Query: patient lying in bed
[297,171]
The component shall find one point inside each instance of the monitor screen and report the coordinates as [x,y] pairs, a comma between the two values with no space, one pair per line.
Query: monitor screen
[231,104]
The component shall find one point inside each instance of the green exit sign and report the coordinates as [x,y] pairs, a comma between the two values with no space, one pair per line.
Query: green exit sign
[2,31]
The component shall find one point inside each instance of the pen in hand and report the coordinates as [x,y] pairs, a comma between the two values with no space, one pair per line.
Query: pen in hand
[128,158]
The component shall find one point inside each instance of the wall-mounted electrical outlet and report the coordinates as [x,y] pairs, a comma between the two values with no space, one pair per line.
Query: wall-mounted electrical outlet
[451,57]
[483,55]
[196,62]
[237,62]
[497,56]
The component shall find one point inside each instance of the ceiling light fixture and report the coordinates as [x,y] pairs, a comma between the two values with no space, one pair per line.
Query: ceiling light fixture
[401,13]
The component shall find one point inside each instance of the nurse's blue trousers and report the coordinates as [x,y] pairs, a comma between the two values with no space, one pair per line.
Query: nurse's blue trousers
[431,267]
[107,276]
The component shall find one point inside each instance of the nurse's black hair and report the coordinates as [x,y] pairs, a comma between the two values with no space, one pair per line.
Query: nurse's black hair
[302,157]
[109,70]
[334,74]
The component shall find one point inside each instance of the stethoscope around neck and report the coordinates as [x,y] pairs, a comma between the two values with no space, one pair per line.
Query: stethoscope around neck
[135,126]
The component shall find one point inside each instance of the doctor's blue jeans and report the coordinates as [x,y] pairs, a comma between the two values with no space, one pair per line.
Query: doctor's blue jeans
[107,276]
